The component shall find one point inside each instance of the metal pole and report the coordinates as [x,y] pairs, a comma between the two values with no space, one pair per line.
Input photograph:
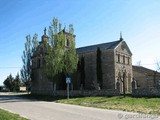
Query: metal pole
[67,90]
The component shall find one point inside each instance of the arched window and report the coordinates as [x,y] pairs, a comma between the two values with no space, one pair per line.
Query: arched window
[67,43]
[119,76]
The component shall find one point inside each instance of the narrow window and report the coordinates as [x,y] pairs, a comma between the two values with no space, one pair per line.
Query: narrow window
[138,85]
[39,63]
[123,59]
[128,61]
[119,58]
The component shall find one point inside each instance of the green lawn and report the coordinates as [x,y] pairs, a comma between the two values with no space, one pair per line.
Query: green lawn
[141,105]
[5,115]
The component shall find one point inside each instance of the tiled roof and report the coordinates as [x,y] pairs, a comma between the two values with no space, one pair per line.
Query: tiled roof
[110,45]
[142,69]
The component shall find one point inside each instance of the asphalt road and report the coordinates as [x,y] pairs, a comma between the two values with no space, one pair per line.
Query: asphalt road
[41,110]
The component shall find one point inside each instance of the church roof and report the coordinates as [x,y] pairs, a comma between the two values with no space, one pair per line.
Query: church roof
[109,45]
[144,70]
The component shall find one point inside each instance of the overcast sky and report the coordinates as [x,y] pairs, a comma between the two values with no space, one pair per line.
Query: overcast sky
[95,22]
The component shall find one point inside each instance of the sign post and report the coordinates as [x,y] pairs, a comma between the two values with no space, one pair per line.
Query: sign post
[68,81]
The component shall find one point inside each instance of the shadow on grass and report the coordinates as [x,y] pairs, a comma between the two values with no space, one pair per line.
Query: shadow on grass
[12,98]
[50,98]
[47,98]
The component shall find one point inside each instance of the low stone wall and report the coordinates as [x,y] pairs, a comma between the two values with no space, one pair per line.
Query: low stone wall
[75,93]
[42,92]
[151,92]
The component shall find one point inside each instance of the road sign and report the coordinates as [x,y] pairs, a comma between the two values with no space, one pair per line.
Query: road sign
[68,80]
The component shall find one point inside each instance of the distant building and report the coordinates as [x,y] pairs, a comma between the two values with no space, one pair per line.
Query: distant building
[146,78]
[146,82]
[1,88]
[22,89]
[116,67]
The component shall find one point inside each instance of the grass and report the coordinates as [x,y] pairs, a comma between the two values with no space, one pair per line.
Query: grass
[140,105]
[5,115]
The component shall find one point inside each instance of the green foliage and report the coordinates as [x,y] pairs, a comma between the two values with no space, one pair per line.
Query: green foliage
[99,67]
[26,71]
[13,84]
[27,62]
[8,82]
[141,105]
[17,83]
[70,58]
[60,58]
[5,115]
[35,43]
[82,70]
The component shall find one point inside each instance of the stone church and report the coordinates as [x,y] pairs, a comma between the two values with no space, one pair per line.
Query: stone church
[115,66]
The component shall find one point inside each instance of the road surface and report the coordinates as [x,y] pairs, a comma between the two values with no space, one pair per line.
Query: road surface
[41,110]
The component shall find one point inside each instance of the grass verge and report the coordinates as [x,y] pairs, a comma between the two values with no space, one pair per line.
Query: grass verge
[140,105]
[5,115]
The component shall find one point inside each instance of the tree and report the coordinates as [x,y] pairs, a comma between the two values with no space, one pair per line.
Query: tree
[17,83]
[70,57]
[26,71]
[34,43]
[122,78]
[8,82]
[123,81]
[158,65]
[27,62]
[60,59]
[139,63]
[82,70]
[99,67]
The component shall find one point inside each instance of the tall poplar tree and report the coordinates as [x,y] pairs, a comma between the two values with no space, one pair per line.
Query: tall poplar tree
[99,67]
[60,58]
[82,70]
[26,71]
[70,57]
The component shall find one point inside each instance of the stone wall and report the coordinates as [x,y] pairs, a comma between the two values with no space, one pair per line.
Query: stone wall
[151,92]
[90,71]
[123,64]
[145,77]
[40,84]
[75,93]
[47,91]
[141,79]
[108,73]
